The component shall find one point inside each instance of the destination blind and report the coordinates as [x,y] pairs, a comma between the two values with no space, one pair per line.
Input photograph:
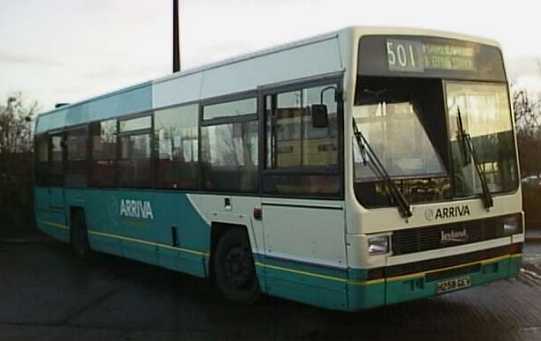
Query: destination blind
[415,56]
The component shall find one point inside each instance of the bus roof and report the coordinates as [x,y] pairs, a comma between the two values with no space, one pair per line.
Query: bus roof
[288,61]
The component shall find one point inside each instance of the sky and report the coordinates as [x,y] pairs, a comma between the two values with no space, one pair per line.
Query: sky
[68,50]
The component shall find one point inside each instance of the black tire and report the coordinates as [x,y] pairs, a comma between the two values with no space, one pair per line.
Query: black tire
[234,269]
[79,235]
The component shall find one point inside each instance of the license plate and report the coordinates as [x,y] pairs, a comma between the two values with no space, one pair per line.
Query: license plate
[453,284]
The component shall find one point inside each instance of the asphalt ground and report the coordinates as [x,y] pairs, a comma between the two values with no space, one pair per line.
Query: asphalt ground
[48,294]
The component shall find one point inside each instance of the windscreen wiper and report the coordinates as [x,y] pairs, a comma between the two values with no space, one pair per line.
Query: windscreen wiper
[466,142]
[379,169]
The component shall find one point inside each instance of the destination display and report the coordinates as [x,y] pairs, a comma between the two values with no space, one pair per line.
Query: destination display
[406,55]
[409,56]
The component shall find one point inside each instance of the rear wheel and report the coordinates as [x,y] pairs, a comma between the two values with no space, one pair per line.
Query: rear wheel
[79,235]
[234,270]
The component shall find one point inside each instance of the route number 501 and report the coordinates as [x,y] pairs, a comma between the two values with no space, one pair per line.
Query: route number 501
[403,56]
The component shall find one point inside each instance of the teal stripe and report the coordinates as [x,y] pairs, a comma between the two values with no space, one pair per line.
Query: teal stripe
[115,236]
[302,266]
[164,246]
[298,272]
[60,226]
[341,276]
[314,271]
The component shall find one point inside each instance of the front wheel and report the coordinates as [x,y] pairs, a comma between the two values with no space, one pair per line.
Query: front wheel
[234,270]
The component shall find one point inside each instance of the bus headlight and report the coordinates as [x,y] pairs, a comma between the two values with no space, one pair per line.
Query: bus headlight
[378,245]
[512,224]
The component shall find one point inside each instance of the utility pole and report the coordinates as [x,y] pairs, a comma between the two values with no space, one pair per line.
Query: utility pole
[176,37]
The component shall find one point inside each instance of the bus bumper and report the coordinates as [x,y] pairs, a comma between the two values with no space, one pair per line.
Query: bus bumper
[372,293]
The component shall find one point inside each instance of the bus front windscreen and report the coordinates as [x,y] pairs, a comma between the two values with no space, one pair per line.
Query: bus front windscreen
[415,121]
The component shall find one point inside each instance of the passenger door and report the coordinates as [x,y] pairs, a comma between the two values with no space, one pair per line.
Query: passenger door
[302,205]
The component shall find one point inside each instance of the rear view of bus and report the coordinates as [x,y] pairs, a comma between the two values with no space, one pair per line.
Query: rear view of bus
[432,189]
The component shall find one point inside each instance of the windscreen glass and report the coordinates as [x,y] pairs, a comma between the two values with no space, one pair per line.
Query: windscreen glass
[403,121]
[408,93]
[485,117]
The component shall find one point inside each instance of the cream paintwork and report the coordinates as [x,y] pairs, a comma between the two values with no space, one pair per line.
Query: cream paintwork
[296,233]
[315,235]
[287,63]
[272,237]
[336,239]
[213,210]
[361,221]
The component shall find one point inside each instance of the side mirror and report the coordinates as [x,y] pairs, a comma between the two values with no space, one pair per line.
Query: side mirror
[320,118]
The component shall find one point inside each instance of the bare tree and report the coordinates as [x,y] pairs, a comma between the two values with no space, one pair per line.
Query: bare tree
[527,112]
[526,124]
[526,118]
[16,119]
[15,125]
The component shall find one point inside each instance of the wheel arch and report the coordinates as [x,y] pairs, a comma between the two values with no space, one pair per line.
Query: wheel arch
[78,228]
[217,231]
[76,210]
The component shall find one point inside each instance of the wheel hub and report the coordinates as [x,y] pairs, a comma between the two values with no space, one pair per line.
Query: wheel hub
[237,266]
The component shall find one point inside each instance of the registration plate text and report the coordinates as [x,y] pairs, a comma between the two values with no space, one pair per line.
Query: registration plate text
[453,284]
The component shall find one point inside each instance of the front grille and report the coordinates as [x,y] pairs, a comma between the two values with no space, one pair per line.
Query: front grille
[430,238]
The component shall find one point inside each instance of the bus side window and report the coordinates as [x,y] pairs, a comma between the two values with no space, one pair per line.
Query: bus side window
[134,165]
[56,160]
[103,153]
[229,146]
[42,160]
[76,160]
[176,136]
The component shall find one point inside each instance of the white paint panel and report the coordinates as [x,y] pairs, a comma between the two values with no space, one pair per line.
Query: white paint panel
[312,234]
[380,220]
[177,90]
[299,62]
[212,209]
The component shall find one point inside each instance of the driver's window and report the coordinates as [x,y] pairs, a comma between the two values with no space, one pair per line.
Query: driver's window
[299,157]
[292,139]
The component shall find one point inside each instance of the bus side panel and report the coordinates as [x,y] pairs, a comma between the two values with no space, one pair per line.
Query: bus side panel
[49,212]
[102,229]
[304,258]
[160,228]
[307,283]
[223,209]
[105,244]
